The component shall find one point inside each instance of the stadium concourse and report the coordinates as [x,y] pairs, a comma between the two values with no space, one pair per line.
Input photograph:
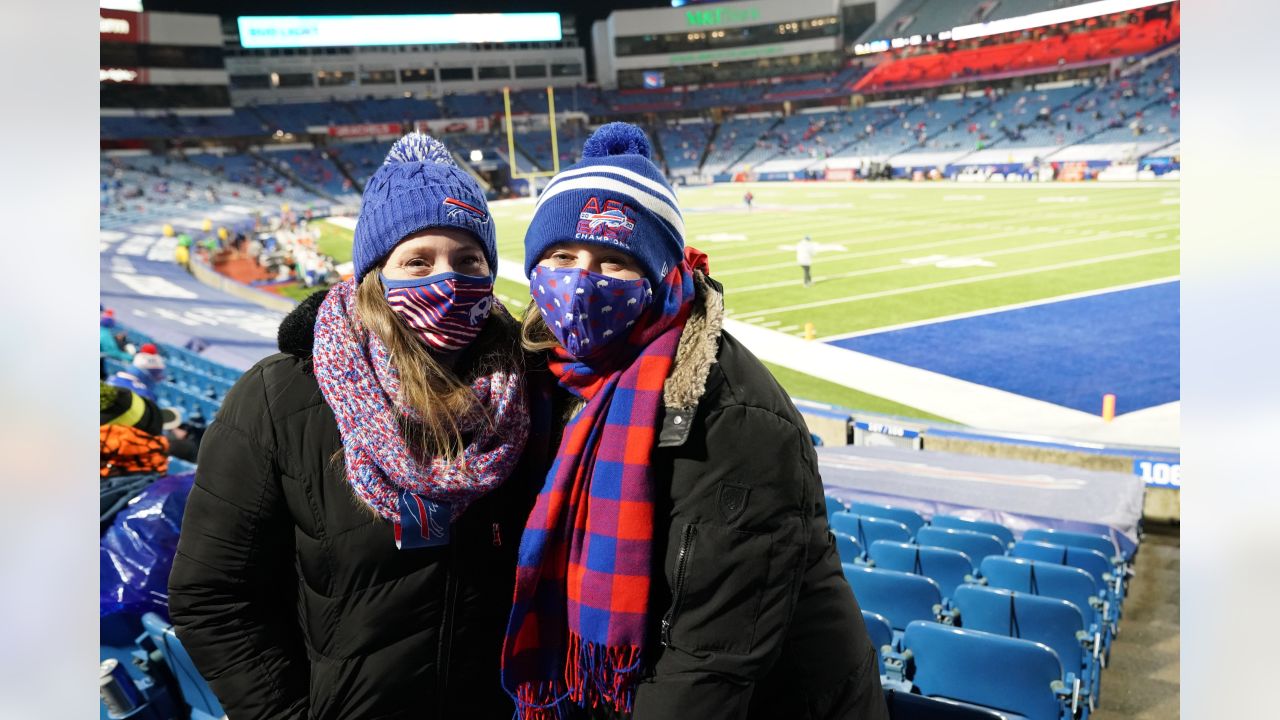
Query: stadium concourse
[987,354]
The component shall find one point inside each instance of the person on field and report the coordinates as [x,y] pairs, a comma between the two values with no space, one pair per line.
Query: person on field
[805,250]
[677,563]
[348,548]
[748,199]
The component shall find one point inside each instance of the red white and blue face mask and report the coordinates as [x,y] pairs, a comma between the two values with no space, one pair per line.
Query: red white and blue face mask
[587,311]
[446,311]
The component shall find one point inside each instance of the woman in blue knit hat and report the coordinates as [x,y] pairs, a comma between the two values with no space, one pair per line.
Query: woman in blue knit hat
[677,563]
[348,548]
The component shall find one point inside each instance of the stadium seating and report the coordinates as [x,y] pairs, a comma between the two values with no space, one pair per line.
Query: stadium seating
[1052,580]
[880,632]
[1087,559]
[849,549]
[983,526]
[905,706]
[932,67]
[1052,621]
[868,529]
[910,518]
[975,545]
[900,597]
[1007,674]
[195,691]
[948,568]
[1101,543]
[834,505]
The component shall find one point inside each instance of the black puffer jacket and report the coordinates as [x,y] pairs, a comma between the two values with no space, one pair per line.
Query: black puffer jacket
[290,594]
[755,618]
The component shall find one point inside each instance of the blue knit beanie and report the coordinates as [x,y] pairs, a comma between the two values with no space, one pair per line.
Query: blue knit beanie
[614,197]
[419,186]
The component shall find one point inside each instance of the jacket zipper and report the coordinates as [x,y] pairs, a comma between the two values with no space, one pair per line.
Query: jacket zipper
[677,593]
[445,658]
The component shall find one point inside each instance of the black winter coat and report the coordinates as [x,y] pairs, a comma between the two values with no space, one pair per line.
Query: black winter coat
[755,618]
[289,593]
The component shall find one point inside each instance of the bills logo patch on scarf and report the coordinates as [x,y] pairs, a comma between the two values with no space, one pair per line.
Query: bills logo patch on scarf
[611,221]
[423,522]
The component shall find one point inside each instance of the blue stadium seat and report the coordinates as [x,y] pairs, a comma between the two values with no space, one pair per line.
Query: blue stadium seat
[905,706]
[1101,543]
[1049,579]
[848,548]
[949,568]
[1091,561]
[868,529]
[910,518]
[1007,674]
[880,632]
[974,544]
[900,597]
[1052,621]
[983,526]
[833,506]
[195,691]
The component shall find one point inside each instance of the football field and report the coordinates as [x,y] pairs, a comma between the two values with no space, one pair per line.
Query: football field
[890,254]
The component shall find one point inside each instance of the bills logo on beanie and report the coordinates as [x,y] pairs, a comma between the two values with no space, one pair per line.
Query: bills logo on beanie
[616,197]
[419,186]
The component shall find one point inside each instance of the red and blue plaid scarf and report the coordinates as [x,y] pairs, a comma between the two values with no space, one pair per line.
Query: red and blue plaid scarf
[579,619]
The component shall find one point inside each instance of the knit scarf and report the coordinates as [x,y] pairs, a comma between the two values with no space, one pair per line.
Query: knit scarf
[360,383]
[579,618]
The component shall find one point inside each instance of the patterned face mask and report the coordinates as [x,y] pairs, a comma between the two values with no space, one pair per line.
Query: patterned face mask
[446,311]
[587,311]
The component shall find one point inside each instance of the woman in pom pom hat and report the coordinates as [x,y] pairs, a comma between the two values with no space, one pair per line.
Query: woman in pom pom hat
[348,547]
[677,563]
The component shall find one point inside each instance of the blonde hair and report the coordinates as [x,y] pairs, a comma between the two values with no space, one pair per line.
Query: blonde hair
[535,336]
[443,401]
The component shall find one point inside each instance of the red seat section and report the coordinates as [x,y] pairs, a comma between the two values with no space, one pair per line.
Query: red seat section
[911,70]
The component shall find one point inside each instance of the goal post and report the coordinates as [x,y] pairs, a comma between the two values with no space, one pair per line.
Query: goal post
[531,175]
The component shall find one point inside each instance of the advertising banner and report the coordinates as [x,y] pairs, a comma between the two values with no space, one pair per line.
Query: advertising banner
[364,130]
[453,125]
[121,26]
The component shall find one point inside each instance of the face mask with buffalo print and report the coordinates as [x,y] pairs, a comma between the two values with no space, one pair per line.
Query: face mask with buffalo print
[587,311]
[446,311]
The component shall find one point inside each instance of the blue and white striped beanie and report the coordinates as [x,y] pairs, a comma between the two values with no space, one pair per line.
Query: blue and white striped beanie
[419,186]
[614,197]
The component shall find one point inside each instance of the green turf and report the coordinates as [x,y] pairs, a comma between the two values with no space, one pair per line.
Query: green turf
[298,292]
[883,245]
[334,241]
[808,387]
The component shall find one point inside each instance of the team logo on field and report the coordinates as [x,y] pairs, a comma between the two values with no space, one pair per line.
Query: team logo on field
[611,220]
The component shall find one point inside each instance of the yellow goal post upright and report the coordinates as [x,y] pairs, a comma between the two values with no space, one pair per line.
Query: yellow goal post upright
[531,176]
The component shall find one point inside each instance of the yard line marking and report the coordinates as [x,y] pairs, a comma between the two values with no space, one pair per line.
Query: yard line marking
[906,265]
[1002,308]
[1040,229]
[769,324]
[958,281]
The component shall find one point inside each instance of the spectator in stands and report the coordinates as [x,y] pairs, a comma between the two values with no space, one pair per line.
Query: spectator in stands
[349,546]
[110,341]
[132,450]
[681,421]
[146,371]
[805,250]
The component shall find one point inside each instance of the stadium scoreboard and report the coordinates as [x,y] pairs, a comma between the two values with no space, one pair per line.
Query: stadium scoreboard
[299,31]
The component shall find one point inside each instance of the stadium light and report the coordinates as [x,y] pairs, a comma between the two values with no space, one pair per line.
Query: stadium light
[476,156]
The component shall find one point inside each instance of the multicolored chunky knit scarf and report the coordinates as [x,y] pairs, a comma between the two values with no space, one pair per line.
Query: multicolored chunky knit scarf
[579,620]
[361,385]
